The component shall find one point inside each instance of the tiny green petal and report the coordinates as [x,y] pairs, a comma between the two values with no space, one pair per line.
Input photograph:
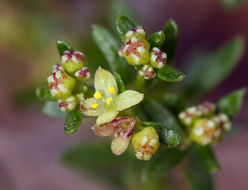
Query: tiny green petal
[87,107]
[128,98]
[104,80]
[106,117]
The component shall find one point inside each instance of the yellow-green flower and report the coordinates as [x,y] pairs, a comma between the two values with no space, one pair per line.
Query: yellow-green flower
[106,102]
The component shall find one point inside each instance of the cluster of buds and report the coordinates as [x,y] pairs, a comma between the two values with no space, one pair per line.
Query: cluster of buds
[136,50]
[205,127]
[65,75]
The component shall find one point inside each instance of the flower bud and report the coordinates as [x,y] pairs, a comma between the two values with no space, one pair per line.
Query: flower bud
[188,116]
[82,74]
[135,51]
[147,72]
[157,58]
[223,122]
[72,61]
[138,31]
[145,143]
[205,131]
[57,67]
[68,104]
[60,84]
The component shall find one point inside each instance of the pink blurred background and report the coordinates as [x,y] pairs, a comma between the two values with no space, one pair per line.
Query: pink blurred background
[31,143]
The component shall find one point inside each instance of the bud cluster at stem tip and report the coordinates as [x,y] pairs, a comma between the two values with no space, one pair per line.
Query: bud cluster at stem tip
[136,51]
[204,126]
[65,77]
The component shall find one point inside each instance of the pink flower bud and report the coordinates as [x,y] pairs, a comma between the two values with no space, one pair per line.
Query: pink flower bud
[82,74]
[58,67]
[138,31]
[147,72]
[135,51]
[72,61]
[68,104]
[157,58]
[60,84]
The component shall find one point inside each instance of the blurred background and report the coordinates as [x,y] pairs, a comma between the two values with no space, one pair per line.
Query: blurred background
[31,144]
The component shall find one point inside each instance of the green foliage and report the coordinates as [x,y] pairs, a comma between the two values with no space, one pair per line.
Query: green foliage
[158,113]
[109,46]
[166,135]
[211,69]
[231,103]
[63,46]
[157,39]
[123,24]
[170,74]
[51,109]
[171,37]
[44,94]
[120,83]
[207,158]
[197,177]
[162,162]
[73,121]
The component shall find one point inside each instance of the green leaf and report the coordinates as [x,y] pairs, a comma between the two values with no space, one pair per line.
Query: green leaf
[209,70]
[166,135]
[207,158]
[44,94]
[231,4]
[109,46]
[120,83]
[158,113]
[231,104]
[162,162]
[157,39]
[197,177]
[123,24]
[51,109]
[73,121]
[170,74]
[63,46]
[171,38]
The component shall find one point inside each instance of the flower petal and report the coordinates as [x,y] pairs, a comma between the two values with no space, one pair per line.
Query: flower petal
[119,145]
[86,107]
[128,98]
[106,117]
[103,81]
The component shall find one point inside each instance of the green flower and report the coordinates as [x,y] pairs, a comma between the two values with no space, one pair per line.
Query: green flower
[107,103]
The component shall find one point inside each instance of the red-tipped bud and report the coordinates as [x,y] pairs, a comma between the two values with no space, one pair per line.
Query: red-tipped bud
[68,104]
[147,72]
[138,31]
[82,74]
[157,58]
[72,61]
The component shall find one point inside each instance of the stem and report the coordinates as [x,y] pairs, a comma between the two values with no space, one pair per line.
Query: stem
[140,83]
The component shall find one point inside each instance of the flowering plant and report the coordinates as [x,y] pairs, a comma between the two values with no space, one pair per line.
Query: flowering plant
[154,118]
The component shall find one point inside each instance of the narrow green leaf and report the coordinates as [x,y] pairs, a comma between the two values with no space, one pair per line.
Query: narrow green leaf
[109,46]
[120,83]
[157,39]
[162,162]
[73,121]
[231,104]
[158,113]
[207,158]
[166,135]
[123,24]
[63,46]
[170,74]
[171,38]
[197,177]
[210,69]
[44,94]
[51,109]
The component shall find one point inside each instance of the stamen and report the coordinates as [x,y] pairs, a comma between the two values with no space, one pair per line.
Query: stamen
[97,95]
[111,90]
[109,100]
[94,106]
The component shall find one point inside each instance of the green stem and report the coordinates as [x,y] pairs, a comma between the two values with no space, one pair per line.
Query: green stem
[140,83]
